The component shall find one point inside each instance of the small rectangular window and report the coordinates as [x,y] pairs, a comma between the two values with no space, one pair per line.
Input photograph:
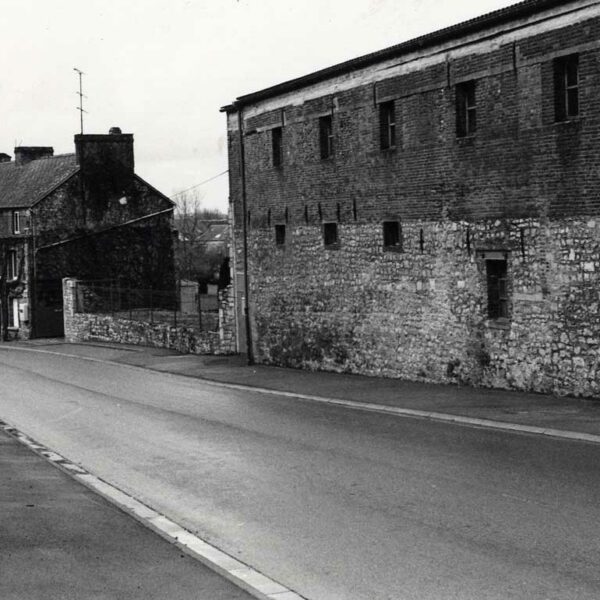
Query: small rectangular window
[387,125]
[12,268]
[277,146]
[326,136]
[566,87]
[466,109]
[280,235]
[16,221]
[330,234]
[392,235]
[497,289]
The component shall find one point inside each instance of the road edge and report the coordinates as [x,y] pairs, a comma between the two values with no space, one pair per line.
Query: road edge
[240,574]
[354,405]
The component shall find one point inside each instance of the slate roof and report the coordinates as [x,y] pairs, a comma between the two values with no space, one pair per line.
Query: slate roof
[216,233]
[22,186]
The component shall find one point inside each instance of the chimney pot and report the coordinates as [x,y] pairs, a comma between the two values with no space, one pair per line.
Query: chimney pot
[115,131]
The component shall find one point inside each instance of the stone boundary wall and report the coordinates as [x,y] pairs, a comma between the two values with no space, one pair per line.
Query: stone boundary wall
[83,327]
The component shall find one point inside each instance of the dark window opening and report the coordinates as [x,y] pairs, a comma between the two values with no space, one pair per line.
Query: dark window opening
[277,145]
[12,269]
[466,109]
[330,234]
[497,289]
[387,125]
[280,235]
[326,136]
[421,241]
[16,221]
[566,87]
[392,235]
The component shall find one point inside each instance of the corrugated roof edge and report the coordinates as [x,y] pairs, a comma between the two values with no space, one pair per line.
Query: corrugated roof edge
[497,17]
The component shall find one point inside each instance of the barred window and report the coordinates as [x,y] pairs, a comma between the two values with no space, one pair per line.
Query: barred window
[392,235]
[497,289]
[466,109]
[387,125]
[326,136]
[277,146]
[566,87]
[330,235]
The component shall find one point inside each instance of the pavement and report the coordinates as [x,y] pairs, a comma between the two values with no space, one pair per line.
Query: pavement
[61,541]
[77,544]
[573,418]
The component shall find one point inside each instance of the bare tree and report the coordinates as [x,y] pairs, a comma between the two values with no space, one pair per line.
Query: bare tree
[194,260]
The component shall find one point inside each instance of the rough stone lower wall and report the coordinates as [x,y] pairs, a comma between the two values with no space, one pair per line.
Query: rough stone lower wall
[81,327]
[422,314]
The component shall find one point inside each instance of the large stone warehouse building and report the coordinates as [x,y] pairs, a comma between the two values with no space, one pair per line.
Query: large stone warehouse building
[430,211]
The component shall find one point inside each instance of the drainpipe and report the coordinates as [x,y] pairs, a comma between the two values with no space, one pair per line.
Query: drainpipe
[245,240]
[33,268]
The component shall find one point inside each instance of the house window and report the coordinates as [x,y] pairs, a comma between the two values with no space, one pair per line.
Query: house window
[11,267]
[392,235]
[497,289]
[566,87]
[330,235]
[280,235]
[277,146]
[16,221]
[326,136]
[466,109]
[387,125]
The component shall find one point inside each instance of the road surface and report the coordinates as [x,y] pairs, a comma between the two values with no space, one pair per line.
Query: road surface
[333,503]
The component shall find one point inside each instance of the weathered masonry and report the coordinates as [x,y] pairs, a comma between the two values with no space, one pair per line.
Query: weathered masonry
[430,211]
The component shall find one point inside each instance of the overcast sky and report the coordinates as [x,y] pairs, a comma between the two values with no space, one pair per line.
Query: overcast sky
[161,69]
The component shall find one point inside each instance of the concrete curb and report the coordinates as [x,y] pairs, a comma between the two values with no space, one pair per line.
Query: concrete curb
[363,406]
[245,577]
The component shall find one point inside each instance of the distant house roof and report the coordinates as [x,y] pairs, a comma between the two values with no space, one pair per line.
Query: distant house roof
[215,234]
[24,185]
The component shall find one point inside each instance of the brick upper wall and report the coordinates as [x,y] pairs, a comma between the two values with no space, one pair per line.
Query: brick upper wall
[519,164]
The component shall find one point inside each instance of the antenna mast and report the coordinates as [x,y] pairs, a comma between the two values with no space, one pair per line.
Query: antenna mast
[81,97]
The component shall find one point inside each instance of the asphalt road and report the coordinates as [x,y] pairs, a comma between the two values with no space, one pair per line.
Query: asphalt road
[336,504]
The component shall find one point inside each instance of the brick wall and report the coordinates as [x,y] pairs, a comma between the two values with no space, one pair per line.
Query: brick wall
[522,184]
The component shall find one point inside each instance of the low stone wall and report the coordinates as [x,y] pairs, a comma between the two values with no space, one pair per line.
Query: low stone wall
[82,327]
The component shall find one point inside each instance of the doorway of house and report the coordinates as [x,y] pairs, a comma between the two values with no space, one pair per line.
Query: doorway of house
[48,309]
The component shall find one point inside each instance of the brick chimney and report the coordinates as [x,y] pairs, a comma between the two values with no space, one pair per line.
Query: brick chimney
[106,162]
[25,154]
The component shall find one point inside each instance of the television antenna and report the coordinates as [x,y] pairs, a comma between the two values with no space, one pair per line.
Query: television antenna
[81,96]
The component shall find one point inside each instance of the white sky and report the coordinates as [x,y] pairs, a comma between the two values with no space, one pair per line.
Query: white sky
[161,69]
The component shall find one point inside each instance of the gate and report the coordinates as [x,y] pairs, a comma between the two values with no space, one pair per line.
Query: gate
[48,315]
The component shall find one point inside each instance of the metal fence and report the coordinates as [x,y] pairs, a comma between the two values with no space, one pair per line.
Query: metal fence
[182,306]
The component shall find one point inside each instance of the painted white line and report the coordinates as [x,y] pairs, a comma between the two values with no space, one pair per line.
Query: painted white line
[354,405]
[245,577]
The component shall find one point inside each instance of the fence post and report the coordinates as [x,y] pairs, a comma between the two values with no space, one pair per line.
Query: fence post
[112,308]
[199,304]
[129,302]
[151,307]
[177,300]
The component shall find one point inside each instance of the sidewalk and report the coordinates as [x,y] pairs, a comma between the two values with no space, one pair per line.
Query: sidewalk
[61,541]
[522,409]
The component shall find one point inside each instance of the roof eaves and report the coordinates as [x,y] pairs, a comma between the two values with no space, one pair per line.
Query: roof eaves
[55,187]
[155,190]
[497,17]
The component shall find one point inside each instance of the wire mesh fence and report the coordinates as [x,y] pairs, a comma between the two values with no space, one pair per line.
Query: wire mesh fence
[181,307]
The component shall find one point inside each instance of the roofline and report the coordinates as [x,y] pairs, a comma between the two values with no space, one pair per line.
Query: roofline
[497,17]
[54,188]
[172,202]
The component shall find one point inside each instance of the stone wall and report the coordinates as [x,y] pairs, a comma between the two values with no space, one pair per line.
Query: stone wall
[82,327]
[422,314]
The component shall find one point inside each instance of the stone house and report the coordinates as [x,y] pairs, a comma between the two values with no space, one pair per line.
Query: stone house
[85,215]
[430,211]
